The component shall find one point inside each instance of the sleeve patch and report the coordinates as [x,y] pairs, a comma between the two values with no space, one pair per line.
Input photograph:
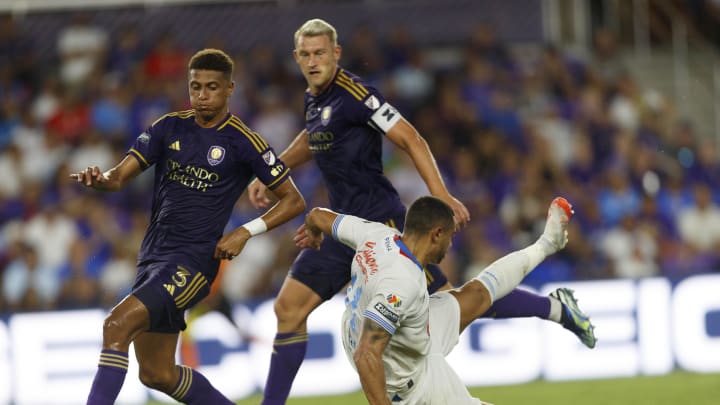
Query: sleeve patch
[372,103]
[269,157]
[380,321]
[387,313]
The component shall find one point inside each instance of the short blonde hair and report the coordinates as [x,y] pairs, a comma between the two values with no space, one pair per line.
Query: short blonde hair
[314,28]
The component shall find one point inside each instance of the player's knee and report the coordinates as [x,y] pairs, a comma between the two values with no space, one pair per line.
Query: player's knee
[288,313]
[158,379]
[115,334]
[478,301]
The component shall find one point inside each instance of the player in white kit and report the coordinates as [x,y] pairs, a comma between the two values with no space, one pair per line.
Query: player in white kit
[395,334]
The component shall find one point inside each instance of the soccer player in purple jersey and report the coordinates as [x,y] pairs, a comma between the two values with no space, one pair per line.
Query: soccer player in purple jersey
[344,123]
[204,158]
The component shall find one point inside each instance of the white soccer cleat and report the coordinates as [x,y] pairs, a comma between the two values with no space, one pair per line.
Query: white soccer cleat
[558,217]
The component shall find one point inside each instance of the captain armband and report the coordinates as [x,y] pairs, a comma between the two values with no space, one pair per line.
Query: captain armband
[256,226]
[385,117]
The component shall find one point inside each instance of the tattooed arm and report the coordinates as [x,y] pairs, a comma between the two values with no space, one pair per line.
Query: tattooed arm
[368,361]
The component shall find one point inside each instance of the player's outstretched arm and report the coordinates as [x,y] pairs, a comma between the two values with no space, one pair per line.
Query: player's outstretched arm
[296,154]
[290,204]
[406,137]
[368,361]
[111,180]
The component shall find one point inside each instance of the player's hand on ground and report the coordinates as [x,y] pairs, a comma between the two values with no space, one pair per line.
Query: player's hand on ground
[460,212]
[257,193]
[304,238]
[90,177]
[231,244]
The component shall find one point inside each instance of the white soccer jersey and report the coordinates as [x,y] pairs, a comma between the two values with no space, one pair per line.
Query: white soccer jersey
[388,286]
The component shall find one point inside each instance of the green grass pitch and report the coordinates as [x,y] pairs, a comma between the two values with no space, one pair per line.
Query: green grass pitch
[676,388]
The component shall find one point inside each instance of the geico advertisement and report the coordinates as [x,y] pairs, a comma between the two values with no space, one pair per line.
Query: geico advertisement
[644,327]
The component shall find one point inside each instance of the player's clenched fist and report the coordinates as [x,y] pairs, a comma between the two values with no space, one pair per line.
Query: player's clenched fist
[90,177]
[307,239]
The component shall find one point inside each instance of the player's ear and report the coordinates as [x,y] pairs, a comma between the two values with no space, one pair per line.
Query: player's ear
[436,233]
[338,52]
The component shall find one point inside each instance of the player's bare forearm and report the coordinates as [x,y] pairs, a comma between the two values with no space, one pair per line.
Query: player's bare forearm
[290,204]
[408,139]
[405,137]
[320,220]
[298,152]
[111,180]
[368,361]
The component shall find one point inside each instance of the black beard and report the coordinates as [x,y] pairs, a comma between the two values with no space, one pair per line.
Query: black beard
[438,258]
[207,116]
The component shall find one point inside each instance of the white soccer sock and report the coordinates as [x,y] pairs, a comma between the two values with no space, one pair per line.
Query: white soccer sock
[555,310]
[504,274]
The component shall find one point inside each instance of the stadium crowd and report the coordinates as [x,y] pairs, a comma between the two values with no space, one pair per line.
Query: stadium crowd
[510,129]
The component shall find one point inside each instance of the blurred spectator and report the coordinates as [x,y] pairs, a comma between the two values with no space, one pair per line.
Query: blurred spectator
[51,233]
[117,275]
[47,101]
[165,61]
[278,124]
[92,150]
[28,285]
[109,113]
[632,248]
[242,278]
[79,290]
[11,168]
[559,134]
[82,48]
[626,104]
[606,61]
[126,53]
[412,80]
[699,223]
[149,103]
[484,43]
[618,199]
[16,52]
[71,120]
[9,120]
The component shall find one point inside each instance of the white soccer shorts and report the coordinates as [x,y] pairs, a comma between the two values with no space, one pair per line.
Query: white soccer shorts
[438,384]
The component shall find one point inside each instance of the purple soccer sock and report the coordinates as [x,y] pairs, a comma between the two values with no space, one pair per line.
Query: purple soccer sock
[520,303]
[194,389]
[288,353]
[109,377]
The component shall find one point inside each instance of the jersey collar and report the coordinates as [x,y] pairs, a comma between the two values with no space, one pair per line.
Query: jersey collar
[406,252]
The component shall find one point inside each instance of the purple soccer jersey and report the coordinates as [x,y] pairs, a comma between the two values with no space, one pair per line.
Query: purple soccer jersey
[345,126]
[199,175]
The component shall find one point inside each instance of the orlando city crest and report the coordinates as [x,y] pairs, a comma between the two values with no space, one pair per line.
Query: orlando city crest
[215,155]
[325,115]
